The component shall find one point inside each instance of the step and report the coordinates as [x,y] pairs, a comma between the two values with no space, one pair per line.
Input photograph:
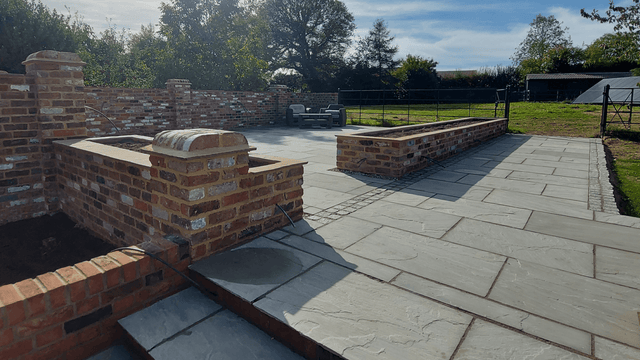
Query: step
[189,325]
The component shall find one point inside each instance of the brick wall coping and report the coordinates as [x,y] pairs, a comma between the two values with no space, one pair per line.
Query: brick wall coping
[107,151]
[114,139]
[273,163]
[196,143]
[380,134]
[54,56]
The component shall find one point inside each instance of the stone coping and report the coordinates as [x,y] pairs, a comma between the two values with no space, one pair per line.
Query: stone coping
[107,150]
[277,163]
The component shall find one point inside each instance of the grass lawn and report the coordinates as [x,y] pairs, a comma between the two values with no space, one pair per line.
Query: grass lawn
[554,119]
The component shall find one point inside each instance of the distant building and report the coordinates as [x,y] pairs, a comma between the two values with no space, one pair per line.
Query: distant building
[452,74]
[564,86]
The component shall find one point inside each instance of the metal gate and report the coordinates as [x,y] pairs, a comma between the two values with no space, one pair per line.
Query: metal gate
[620,108]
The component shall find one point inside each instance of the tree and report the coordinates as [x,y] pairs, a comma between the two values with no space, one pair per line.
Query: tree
[376,51]
[311,37]
[545,33]
[627,18]
[415,72]
[29,26]
[613,49]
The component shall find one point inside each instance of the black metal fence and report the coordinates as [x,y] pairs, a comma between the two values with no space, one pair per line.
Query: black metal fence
[426,105]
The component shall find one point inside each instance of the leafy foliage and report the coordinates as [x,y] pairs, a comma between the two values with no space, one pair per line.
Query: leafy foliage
[546,33]
[376,50]
[612,49]
[416,72]
[625,18]
[497,77]
[311,37]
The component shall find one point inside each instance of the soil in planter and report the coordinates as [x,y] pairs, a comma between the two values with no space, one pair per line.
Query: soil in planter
[131,145]
[32,247]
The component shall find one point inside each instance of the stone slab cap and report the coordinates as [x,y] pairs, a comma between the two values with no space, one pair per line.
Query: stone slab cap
[54,56]
[192,143]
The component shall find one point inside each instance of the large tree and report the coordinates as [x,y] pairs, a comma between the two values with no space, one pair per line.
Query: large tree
[311,36]
[625,18]
[545,33]
[416,72]
[376,50]
[614,50]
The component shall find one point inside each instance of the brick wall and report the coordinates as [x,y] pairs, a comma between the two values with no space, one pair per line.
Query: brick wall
[373,153]
[71,313]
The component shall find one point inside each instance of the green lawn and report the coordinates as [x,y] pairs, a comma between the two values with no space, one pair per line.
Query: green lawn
[555,119]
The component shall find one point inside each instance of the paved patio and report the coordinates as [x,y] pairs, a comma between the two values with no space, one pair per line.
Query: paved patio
[511,250]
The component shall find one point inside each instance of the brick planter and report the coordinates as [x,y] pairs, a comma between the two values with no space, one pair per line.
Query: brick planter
[391,153]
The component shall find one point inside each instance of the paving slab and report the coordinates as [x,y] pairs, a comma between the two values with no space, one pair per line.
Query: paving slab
[617,266]
[527,187]
[162,320]
[458,266]
[551,251]
[424,222]
[566,192]
[510,166]
[324,198]
[343,233]
[568,154]
[555,164]
[609,350]
[609,235]
[580,183]
[342,258]
[478,210]
[618,219]
[409,197]
[361,318]
[302,227]
[115,352]
[468,191]
[445,175]
[592,305]
[540,203]
[224,336]
[251,270]
[583,174]
[525,322]
[488,341]
[329,181]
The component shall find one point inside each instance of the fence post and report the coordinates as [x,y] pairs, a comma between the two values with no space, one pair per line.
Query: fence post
[605,105]
[507,101]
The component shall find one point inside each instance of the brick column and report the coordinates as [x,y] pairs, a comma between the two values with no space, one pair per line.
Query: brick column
[59,95]
[180,92]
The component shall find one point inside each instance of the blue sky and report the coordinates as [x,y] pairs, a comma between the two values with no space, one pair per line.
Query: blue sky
[459,35]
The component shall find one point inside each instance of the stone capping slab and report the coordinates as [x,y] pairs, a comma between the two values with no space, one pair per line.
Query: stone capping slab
[380,134]
[54,56]
[114,139]
[112,152]
[188,144]
[275,163]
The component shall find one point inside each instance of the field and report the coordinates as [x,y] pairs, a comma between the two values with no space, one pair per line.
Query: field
[554,119]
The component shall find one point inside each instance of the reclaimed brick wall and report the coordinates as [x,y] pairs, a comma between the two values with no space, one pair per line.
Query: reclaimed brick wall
[71,313]
[373,153]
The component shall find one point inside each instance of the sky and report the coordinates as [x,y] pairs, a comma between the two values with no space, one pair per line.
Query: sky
[458,34]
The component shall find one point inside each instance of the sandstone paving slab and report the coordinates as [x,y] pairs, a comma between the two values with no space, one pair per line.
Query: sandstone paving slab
[488,341]
[617,266]
[327,180]
[580,183]
[572,160]
[343,233]
[617,219]
[503,184]
[462,267]
[253,269]
[568,154]
[162,320]
[556,164]
[540,203]
[311,210]
[365,266]
[479,170]
[528,323]
[478,210]
[224,336]
[589,304]
[566,192]
[363,189]
[583,174]
[609,350]
[316,167]
[519,167]
[409,197]
[361,318]
[445,175]
[324,198]
[420,221]
[302,227]
[451,189]
[551,251]
[594,232]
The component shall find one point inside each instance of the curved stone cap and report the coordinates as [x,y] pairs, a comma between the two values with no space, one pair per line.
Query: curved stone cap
[52,55]
[198,142]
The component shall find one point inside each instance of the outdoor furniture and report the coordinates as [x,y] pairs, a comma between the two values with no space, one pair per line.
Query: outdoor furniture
[338,113]
[297,115]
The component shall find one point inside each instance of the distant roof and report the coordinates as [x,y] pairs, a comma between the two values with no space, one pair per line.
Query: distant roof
[619,91]
[577,76]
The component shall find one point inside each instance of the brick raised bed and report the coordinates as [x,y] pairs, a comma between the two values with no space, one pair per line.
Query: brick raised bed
[404,149]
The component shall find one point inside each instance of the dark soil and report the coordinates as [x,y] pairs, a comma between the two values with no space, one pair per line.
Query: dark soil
[133,146]
[32,247]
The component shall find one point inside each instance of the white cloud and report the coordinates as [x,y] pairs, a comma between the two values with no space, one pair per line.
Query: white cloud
[582,31]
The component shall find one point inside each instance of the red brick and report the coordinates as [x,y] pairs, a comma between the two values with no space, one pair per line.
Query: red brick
[140,205]
[293,194]
[49,336]
[123,304]
[127,264]
[6,337]
[96,345]
[56,291]
[88,333]
[32,326]
[13,304]
[235,198]
[94,275]
[87,305]
[56,349]
[17,349]
[75,282]
[111,269]
[34,296]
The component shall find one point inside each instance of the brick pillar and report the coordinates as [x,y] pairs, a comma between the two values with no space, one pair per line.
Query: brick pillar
[180,93]
[59,95]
